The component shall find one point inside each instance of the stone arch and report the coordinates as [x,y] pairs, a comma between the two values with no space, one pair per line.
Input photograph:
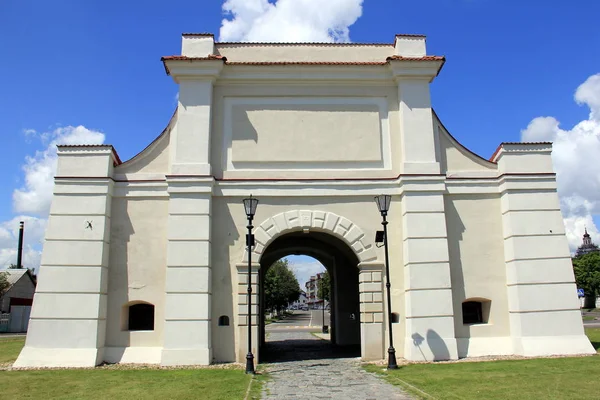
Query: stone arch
[307,220]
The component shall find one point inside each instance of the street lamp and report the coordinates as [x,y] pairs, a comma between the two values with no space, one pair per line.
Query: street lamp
[322,284]
[250,205]
[383,204]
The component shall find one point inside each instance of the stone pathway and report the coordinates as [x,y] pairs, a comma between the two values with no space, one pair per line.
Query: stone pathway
[318,371]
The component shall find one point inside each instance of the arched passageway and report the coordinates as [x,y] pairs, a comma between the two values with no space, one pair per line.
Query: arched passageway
[342,264]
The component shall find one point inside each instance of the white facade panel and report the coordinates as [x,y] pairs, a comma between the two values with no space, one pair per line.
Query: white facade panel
[188,279]
[187,306]
[188,254]
[543,297]
[70,305]
[553,270]
[72,279]
[76,253]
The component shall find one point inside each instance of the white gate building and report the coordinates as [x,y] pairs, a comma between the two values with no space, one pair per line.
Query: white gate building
[144,261]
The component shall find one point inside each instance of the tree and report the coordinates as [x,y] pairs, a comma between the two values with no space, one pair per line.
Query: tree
[587,275]
[585,249]
[3,282]
[324,286]
[15,266]
[281,286]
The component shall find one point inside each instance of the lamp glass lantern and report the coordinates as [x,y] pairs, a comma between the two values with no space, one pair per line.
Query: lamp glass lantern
[383,203]
[250,205]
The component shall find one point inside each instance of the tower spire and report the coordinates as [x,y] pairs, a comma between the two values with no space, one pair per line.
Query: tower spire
[587,240]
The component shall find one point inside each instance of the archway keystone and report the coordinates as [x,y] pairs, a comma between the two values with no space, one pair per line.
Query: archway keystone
[322,221]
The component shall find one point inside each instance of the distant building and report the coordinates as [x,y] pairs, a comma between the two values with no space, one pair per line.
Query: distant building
[302,300]
[312,291]
[587,246]
[20,290]
[17,299]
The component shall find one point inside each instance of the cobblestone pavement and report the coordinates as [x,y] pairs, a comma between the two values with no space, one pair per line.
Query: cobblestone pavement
[318,371]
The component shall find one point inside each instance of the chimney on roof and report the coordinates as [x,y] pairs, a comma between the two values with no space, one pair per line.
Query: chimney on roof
[197,44]
[410,46]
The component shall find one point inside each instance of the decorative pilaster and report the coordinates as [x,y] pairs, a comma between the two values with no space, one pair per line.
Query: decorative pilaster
[543,306]
[187,331]
[68,319]
[417,136]
[372,310]
[428,293]
[188,289]
[195,74]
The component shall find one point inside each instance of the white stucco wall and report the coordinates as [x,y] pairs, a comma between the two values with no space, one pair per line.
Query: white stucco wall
[477,269]
[137,268]
[282,136]
[304,52]
[153,160]
[456,158]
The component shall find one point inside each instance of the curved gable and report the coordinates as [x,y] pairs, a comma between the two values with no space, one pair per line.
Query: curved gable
[154,158]
[454,157]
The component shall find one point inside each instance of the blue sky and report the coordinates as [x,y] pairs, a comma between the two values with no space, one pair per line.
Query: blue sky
[96,64]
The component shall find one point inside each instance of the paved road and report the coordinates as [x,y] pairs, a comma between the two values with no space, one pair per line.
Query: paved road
[302,366]
[317,317]
[309,321]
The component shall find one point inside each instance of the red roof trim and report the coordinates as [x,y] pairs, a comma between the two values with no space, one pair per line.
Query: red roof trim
[114,151]
[416,35]
[306,63]
[424,58]
[186,58]
[528,143]
[213,57]
[379,179]
[324,44]
[481,178]
[198,34]
[407,35]
[210,57]
[522,143]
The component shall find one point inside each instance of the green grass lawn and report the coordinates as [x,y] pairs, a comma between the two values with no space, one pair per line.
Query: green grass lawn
[102,383]
[10,349]
[594,335]
[588,318]
[114,383]
[549,378]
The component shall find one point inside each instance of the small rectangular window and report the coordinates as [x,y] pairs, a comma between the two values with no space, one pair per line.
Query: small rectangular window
[141,317]
[472,312]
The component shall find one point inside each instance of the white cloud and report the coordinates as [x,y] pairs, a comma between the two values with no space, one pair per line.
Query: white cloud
[34,198]
[575,155]
[304,267]
[32,240]
[289,20]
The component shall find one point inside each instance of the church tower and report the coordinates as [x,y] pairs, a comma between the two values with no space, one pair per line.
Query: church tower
[587,246]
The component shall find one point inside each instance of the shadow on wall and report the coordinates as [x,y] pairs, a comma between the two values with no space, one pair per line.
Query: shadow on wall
[455,228]
[224,292]
[118,275]
[436,345]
